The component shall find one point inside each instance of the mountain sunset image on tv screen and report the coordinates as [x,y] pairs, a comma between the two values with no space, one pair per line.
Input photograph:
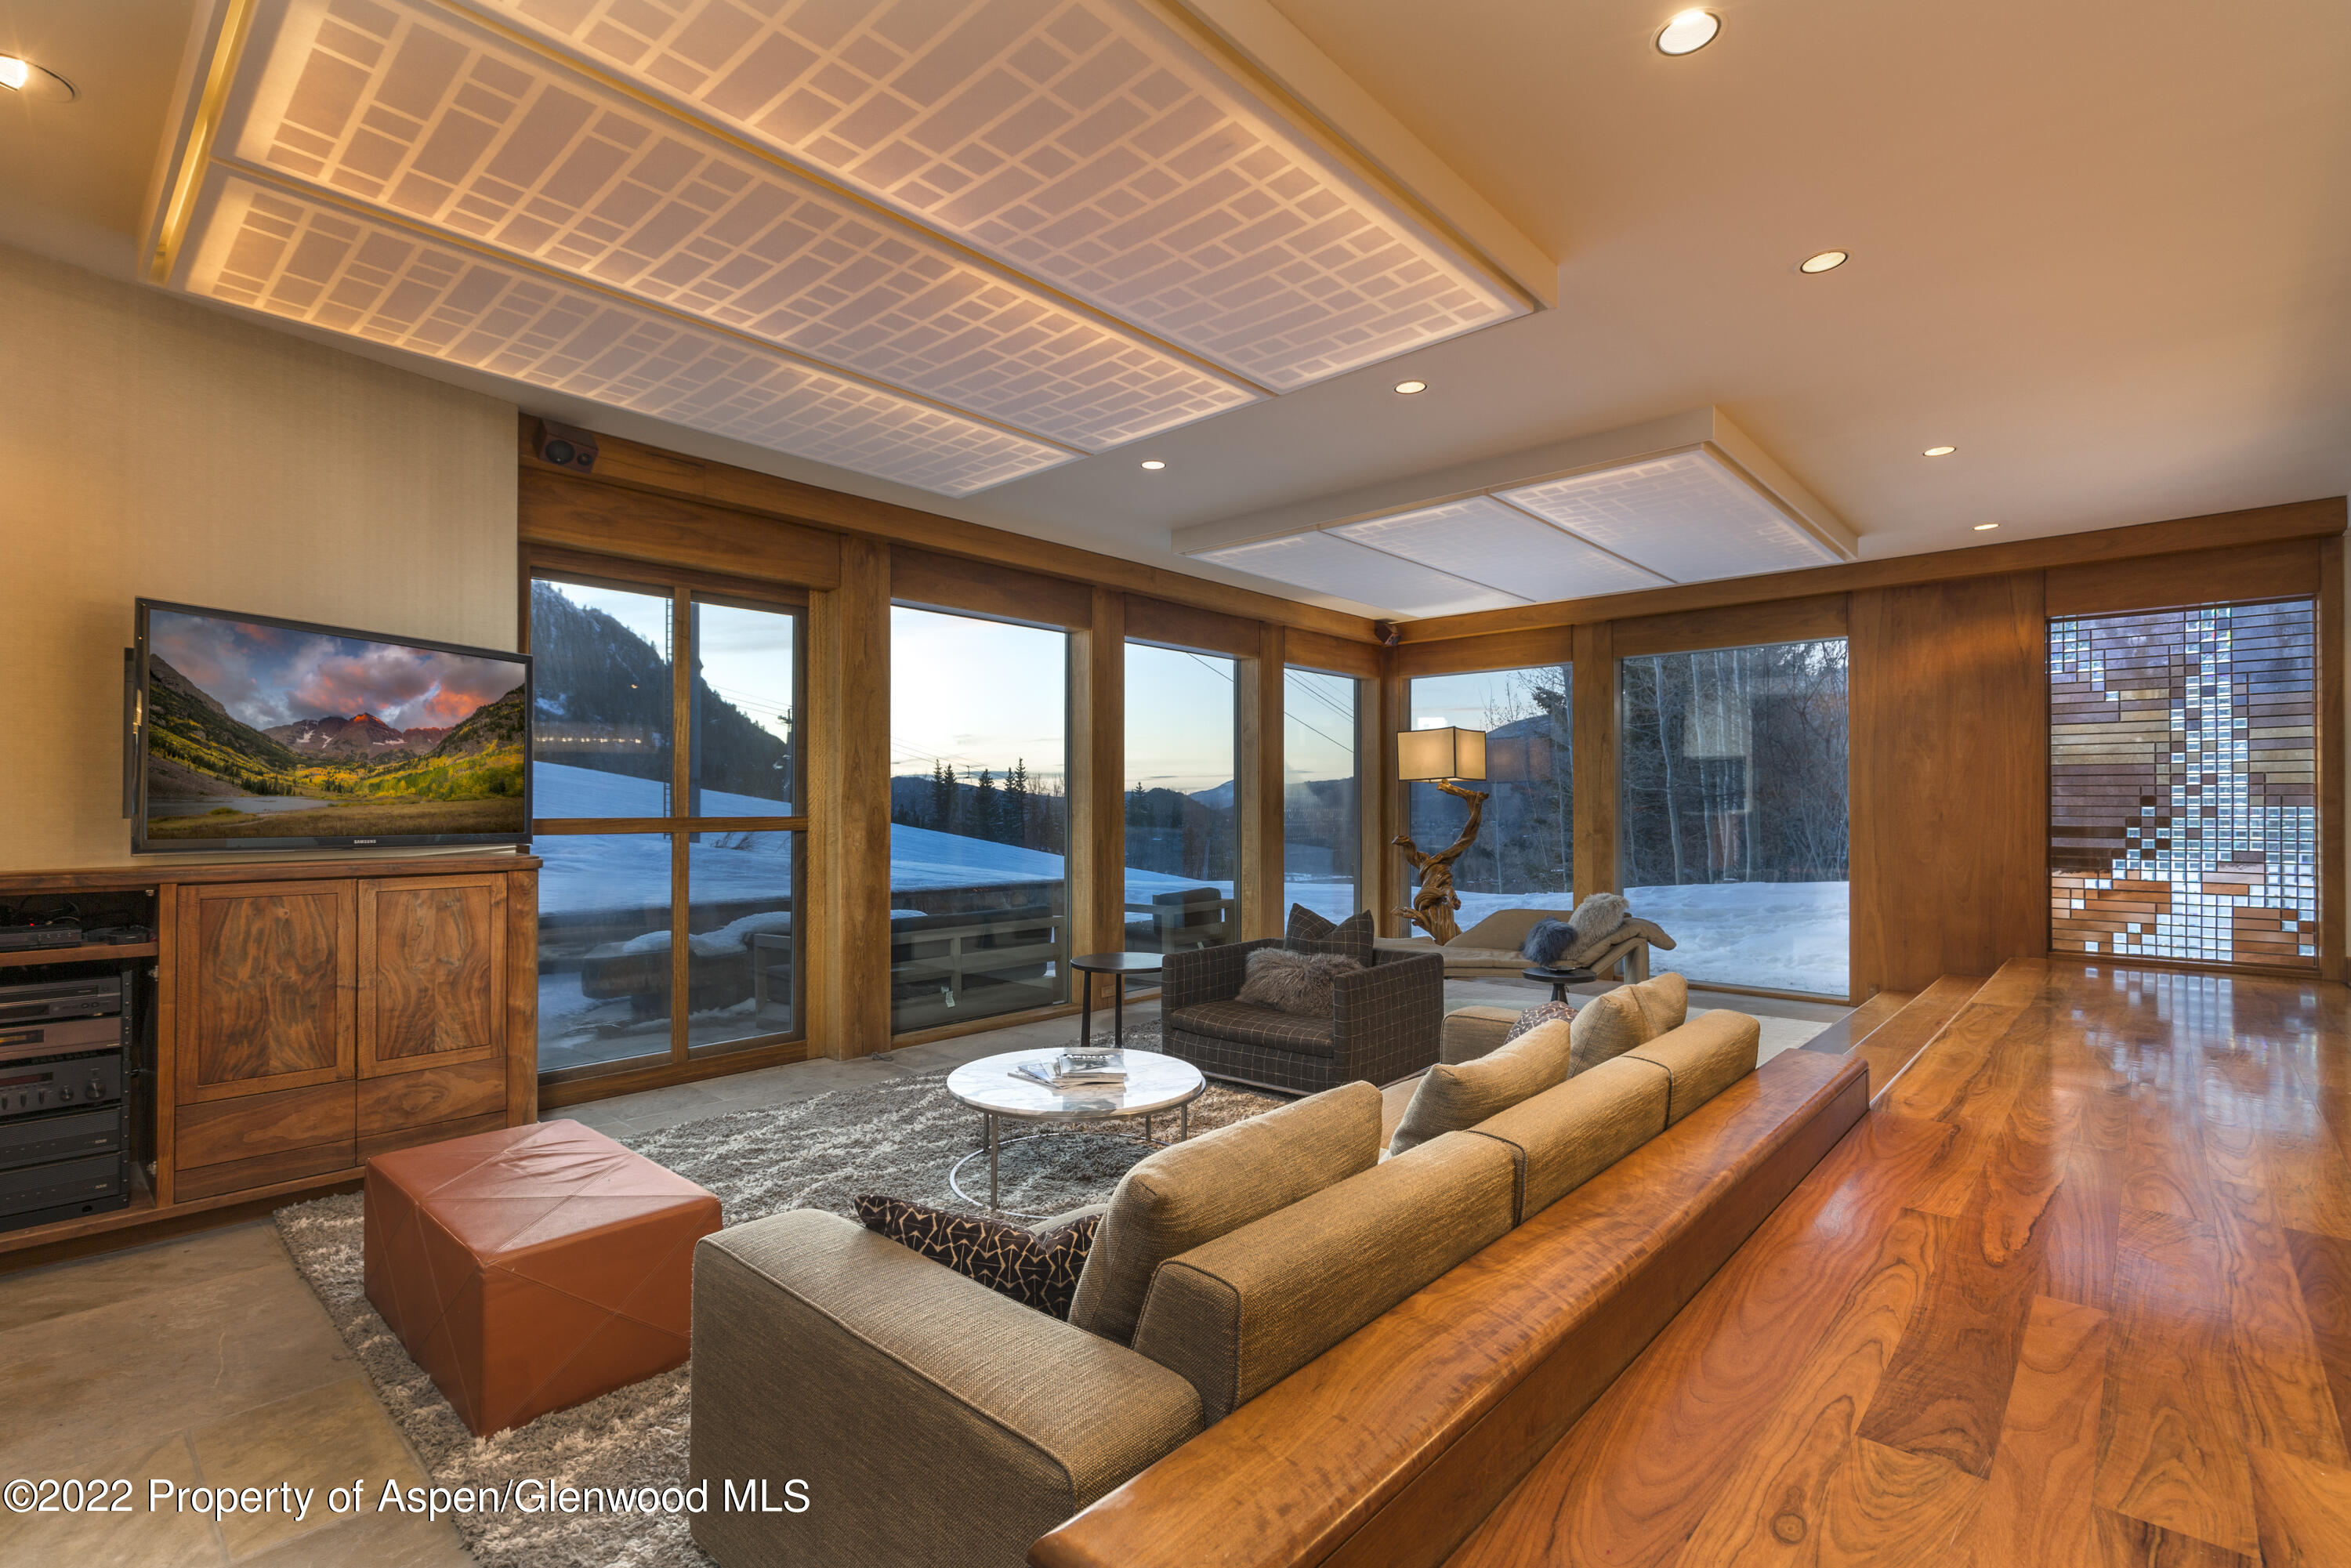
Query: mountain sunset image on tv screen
[258,730]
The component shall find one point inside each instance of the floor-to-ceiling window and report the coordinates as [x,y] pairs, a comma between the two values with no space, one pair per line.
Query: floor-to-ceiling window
[1731,805]
[1182,822]
[979,817]
[667,817]
[1524,854]
[2183,813]
[1322,813]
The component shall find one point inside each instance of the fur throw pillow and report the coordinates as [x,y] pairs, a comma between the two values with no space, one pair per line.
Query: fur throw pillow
[1038,1270]
[1547,941]
[1534,1017]
[1297,983]
[1599,917]
[1310,933]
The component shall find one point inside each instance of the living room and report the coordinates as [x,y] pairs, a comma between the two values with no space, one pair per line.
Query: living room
[1124,781]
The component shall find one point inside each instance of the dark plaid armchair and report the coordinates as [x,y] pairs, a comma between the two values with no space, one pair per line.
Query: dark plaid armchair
[1384,1025]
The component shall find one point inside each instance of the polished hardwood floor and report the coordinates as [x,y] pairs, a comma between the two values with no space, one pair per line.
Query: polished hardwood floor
[2077,1291]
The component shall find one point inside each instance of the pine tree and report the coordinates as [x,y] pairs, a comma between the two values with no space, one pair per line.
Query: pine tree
[983,808]
[1016,803]
[943,790]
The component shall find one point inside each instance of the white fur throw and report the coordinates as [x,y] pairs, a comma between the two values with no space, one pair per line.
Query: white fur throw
[1297,983]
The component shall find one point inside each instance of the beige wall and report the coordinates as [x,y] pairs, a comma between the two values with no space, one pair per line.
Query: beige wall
[150,446]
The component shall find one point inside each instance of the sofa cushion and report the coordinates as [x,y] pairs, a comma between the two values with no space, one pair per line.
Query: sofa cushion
[1310,933]
[1238,1314]
[1455,1095]
[1037,1269]
[1296,983]
[1570,1132]
[1703,1058]
[1204,1186]
[1249,1024]
[1616,1021]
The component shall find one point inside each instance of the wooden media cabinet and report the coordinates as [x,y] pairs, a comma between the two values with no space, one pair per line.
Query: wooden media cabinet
[292,1019]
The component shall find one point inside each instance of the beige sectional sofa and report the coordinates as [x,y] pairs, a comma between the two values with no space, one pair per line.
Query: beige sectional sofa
[937,1422]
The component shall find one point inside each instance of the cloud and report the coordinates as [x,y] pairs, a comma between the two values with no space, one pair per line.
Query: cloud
[268,675]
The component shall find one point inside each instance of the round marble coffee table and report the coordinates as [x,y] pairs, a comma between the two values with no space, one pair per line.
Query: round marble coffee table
[1154,1085]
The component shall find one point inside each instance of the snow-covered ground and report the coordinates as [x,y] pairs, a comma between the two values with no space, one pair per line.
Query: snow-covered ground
[1782,936]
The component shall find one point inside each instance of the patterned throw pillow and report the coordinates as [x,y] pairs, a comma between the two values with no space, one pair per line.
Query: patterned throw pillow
[1037,1271]
[1310,933]
[1536,1016]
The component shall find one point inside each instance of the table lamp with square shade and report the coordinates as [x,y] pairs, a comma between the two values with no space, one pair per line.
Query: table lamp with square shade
[1442,757]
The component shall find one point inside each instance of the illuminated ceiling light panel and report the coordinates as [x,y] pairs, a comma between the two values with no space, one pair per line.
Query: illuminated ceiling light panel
[444,124]
[303,260]
[1487,542]
[1330,565]
[1084,142]
[1685,516]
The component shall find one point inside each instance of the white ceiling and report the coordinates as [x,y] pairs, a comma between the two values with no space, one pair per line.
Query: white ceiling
[2102,248]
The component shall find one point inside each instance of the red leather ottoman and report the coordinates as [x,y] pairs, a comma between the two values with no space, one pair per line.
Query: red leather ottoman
[532,1268]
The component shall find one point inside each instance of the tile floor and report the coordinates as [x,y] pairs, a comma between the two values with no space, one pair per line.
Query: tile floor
[207,1362]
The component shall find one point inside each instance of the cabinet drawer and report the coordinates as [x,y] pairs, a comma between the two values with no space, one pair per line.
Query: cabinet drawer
[431,1094]
[430,1133]
[219,1132]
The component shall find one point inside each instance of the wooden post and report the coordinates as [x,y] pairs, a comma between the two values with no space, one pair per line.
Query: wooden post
[1257,761]
[848,950]
[1097,855]
[1386,886]
[1594,722]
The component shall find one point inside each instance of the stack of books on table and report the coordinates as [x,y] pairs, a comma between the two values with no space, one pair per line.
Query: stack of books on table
[1066,1071]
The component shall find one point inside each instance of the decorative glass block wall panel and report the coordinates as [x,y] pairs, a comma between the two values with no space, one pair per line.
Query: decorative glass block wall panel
[2183,818]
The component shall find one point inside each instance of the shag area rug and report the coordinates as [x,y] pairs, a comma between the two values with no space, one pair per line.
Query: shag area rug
[898,1138]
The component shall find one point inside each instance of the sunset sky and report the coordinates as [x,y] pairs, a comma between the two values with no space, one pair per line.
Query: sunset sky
[269,676]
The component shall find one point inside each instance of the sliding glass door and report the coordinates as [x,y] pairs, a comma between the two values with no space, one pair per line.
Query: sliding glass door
[1182,822]
[1321,794]
[1732,812]
[666,784]
[979,817]
[1524,854]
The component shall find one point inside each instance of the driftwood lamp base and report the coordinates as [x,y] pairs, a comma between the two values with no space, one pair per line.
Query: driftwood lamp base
[1433,906]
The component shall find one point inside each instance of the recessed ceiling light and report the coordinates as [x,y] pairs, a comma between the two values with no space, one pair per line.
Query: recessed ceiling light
[1938,451]
[1687,32]
[19,75]
[1408,388]
[1153,463]
[1986,527]
[1825,261]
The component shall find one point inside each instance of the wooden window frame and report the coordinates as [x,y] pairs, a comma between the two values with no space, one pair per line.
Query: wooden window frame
[686,587]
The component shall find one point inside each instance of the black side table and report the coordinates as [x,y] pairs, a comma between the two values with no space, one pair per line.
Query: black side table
[1560,979]
[1118,966]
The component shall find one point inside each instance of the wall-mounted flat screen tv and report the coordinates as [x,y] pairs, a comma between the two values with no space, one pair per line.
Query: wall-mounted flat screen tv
[251,733]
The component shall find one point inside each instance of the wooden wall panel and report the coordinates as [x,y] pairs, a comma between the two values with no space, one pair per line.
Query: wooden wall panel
[1746,626]
[2281,569]
[1183,626]
[1593,716]
[2333,875]
[1097,776]
[848,949]
[949,582]
[1333,655]
[565,512]
[1951,780]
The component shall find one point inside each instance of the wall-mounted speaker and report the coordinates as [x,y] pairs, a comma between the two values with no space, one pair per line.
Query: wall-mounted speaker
[566,446]
[1388,633]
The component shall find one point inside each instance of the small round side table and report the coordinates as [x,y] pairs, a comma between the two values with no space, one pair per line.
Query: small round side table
[1118,966]
[1558,979]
